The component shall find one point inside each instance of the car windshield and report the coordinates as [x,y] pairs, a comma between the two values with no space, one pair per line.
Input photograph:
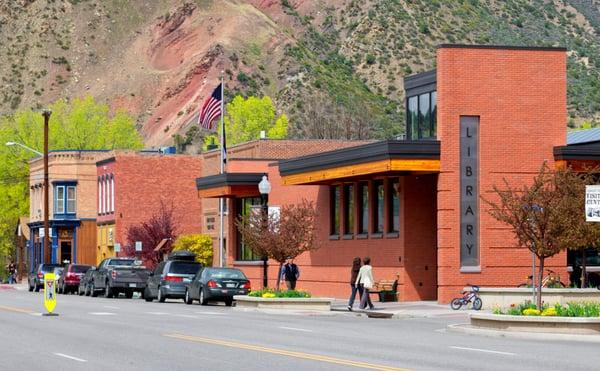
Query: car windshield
[184,268]
[122,262]
[80,268]
[48,268]
[226,274]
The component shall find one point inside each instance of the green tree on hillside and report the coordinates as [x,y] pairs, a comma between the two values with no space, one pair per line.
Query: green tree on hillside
[246,118]
[79,124]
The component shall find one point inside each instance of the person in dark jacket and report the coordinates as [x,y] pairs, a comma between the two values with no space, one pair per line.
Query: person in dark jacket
[290,274]
[353,285]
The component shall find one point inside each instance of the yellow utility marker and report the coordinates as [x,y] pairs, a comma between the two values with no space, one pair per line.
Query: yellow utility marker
[50,293]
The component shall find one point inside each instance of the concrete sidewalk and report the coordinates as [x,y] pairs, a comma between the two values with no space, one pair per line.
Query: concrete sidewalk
[406,309]
[16,286]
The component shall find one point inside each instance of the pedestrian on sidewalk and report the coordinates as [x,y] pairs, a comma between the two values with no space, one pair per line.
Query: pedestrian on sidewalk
[290,274]
[12,272]
[355,288]
[365,281]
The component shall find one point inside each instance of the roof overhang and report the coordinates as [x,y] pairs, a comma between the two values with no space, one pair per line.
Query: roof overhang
[578,152]
[393,157]
[229,185]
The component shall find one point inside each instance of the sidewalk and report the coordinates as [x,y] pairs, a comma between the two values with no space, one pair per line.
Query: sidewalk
[16,286]
[405,309]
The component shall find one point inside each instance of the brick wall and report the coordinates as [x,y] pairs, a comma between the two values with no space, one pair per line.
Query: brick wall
[520,97]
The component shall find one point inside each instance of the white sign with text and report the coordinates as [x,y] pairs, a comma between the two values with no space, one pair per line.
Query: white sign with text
[592,203]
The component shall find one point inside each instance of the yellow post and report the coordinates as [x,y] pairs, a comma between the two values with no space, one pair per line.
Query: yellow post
[50,292]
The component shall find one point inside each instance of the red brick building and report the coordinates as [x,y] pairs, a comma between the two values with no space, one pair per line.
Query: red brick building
[414,206]
[131,186]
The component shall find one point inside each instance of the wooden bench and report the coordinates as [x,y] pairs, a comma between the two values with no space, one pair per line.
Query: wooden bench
[386,289]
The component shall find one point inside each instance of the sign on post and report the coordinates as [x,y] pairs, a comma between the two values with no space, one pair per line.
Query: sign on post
[138,245]
[117,247]
[592,203]
[50,292]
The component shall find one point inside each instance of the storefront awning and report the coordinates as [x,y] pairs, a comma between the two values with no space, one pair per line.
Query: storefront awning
[229,185]
[391,157]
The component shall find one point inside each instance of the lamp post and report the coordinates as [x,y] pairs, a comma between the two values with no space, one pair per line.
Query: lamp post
[47,254]
[10,144]
[264,187]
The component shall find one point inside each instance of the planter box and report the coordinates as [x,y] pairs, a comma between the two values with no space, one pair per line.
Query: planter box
[318,304]
[505,296]
[563,325]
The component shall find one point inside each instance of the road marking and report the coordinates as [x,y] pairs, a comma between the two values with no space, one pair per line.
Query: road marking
[157,313]
[17,310]
[186,316]
[211,313]
[295,329]
[110,307]
[283,352]
[102,313]
[69,357]
[485,351]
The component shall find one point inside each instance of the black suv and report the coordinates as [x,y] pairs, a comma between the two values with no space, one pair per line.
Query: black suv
[169,278]
[35,279]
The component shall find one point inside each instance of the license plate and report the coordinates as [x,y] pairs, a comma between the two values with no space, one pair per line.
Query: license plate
[230,285]
[132,285]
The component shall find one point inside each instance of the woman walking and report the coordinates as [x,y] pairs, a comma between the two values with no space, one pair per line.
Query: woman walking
[355,287]
[365,281]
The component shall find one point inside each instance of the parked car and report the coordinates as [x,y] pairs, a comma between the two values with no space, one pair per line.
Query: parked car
[69,279]
[116,275]
[85,282]
[35,279]
[169,278]
[217,284]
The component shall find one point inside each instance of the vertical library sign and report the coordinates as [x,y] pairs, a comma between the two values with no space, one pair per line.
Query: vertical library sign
[469,193]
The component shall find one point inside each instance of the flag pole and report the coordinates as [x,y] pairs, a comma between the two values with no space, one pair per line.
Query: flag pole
[222,141]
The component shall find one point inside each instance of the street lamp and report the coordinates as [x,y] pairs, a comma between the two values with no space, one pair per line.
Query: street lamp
[10,144]
[264,187]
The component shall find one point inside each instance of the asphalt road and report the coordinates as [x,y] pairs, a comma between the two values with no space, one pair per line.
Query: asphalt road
[123,334]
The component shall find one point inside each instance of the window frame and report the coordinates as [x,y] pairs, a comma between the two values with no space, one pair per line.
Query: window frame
[239,243]
[363,208]
[376,218]
[391,228]
[335,205]
[349,209]
[67,199]
[414,128]
[56,199]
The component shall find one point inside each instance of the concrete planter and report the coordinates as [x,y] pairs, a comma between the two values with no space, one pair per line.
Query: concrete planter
[503,297]
[312,304]
[563,325]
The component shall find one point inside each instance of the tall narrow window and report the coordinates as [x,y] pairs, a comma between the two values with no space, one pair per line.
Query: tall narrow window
[59,202]
[394,210]
[112,194]
[335,210]
[244,207]
[99,195]
[71,197]
[363,199]
[348,209]
[424,116]
[434,114]
[413,117]
[378,207]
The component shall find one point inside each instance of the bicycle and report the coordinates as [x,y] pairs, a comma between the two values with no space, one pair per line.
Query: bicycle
[552,280]
[468,296]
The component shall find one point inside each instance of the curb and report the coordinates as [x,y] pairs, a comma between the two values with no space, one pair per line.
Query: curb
[466,328]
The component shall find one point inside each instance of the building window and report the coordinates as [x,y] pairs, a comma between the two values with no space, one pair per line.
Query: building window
[245,207]
[112,194]
[59,200]
[71,200]
[378,207]
[363,209]
[348,209]
[99,196]
[335,210]
[421,116]
[394,202]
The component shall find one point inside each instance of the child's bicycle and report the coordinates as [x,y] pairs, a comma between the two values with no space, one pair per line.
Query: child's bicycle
[468,296]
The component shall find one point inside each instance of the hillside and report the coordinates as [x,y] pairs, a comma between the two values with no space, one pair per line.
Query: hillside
[335,66]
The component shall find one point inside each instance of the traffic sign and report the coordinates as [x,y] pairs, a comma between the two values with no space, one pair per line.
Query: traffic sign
[50,292]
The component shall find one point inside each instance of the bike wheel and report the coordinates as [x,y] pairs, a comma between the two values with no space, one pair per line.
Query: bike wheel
[456,303]
[477,304]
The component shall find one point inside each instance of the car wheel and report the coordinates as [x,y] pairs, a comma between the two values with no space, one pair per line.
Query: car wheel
[187,299]
[93,292]
[79,292]
[160,296]
[147,295]
[202,298]
[30,288]
[108,291]
[229,302]
[129,294]
[37,288]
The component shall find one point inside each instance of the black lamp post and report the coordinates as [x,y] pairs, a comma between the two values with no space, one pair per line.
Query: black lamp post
[47,247]
[264,187]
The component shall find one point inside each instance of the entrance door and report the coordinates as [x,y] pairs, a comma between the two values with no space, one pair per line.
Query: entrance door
[65,251]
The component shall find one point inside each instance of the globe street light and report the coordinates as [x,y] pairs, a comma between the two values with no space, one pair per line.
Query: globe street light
[10,144]
[264,187]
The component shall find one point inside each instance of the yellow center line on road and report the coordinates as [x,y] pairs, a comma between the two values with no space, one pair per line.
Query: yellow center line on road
[18,310]
[283,352]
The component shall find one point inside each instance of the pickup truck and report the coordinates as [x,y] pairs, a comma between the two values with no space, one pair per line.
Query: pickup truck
[119,275]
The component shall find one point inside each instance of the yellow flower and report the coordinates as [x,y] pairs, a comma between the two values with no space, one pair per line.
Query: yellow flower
[268,295]
[549,312]
[531,312]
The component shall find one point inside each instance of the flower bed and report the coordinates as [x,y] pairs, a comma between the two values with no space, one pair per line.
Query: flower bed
[572,309]
[284,299]
[270,293]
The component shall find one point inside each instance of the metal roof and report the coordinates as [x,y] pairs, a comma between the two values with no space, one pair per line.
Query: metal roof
[583,136]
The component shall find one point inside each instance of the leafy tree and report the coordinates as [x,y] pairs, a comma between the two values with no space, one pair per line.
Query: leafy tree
[161,226]
[79,124]
[246,118]
[281,236]
[199,244]
[540,215]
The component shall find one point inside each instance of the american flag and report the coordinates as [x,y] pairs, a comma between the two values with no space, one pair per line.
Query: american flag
[211,109]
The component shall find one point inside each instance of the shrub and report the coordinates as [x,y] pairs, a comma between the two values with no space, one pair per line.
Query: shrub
[199,244]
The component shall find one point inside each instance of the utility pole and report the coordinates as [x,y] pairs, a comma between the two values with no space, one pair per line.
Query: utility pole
[47,246]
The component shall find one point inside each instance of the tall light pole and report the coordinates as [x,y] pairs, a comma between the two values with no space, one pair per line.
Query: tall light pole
[47,253]
[264,187]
